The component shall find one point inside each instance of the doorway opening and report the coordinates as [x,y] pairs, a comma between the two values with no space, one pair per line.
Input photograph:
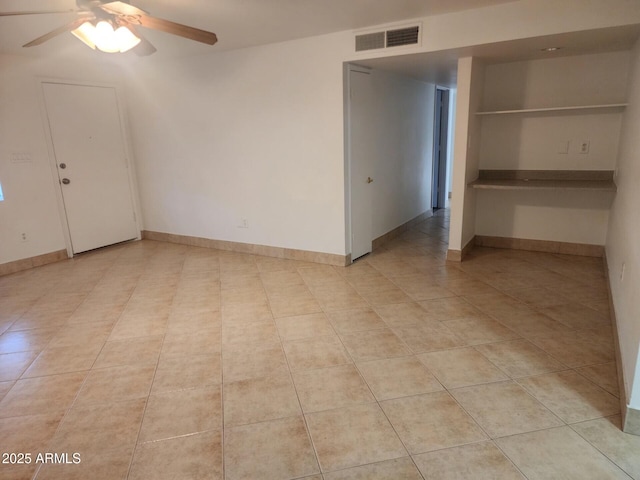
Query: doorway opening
[439,190]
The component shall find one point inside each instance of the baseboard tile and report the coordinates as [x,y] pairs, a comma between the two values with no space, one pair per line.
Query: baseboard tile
[31,262]
[631,421]
[249,248]
[396,232]
[458,255]
[630,416]
[565,248]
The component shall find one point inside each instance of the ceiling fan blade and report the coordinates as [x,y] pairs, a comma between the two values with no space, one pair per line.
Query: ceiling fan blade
[54,33]
[185,31]
[11,14]
[136,16]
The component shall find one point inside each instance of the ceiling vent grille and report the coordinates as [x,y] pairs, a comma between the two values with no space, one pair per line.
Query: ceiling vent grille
[402,36]
[389,38]
[370,41]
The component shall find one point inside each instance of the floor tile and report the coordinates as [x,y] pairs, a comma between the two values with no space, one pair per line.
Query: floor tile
[571,397]
[449,309]
[468,462]
[576,316]
[352,436]
[334,387]
[134,351]
[204,342]
[264,332]
[304,326]
[212,309]
[177,373]
[116,384]
[430,422]
[93,429]
[504,408]
[317,352]
[356,320]
[606,435]
[519,358]
[42,395]
[605,375]
[260,399]
[575,350]
[55,360]
[531,324]
[399,468]
[558,453]
[429,337]
[402,314]
[374,345]
[197,457]
[26,340]
[273,449]
[287,305]
[245,361]
[398,377]
[182,412]
[104,465]
[29,433]
[475,331]
[421,287]
[5,387]
[12,365]
[538,297]
[461,367]
[82,334]
[246,313]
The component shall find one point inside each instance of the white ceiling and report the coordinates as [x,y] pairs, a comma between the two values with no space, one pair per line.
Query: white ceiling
[243,23]
[238,23]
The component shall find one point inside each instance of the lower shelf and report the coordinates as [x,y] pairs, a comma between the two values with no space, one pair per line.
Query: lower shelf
[600,180]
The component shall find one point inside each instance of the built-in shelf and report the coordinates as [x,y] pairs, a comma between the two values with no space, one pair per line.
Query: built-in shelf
[601,180]
[610,106]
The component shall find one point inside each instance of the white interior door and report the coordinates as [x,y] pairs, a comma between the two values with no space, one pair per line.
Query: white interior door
[86,134]
[362,143]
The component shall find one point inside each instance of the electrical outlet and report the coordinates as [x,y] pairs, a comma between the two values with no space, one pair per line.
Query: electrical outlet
[583,147]
[244,223]
[23,237]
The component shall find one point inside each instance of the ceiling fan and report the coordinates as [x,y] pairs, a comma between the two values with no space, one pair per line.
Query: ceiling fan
[114,27]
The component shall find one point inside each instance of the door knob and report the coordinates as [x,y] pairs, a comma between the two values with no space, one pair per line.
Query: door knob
[63,165]
[66,181]
[369,180]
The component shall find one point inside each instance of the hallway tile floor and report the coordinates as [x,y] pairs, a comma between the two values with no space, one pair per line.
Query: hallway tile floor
[158,361]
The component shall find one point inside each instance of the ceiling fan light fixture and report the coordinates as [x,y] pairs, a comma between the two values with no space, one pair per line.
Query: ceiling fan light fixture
[105,38]
[86,33]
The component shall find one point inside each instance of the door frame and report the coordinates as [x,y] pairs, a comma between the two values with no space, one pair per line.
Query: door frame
[126,140]
[347,69]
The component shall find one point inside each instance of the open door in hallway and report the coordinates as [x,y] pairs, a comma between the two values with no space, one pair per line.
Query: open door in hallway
[362,147]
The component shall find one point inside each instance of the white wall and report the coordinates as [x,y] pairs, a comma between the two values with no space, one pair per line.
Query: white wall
[533,142]
[30,204]
[253,134]
[623,241]
[403,163]
[466,152]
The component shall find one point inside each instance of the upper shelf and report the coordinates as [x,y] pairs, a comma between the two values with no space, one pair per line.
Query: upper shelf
[610,106]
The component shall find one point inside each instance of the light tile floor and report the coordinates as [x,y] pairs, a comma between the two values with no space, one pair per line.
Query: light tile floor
[159,361]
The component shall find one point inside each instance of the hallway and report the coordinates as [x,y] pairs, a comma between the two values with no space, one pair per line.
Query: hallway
[156,361]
